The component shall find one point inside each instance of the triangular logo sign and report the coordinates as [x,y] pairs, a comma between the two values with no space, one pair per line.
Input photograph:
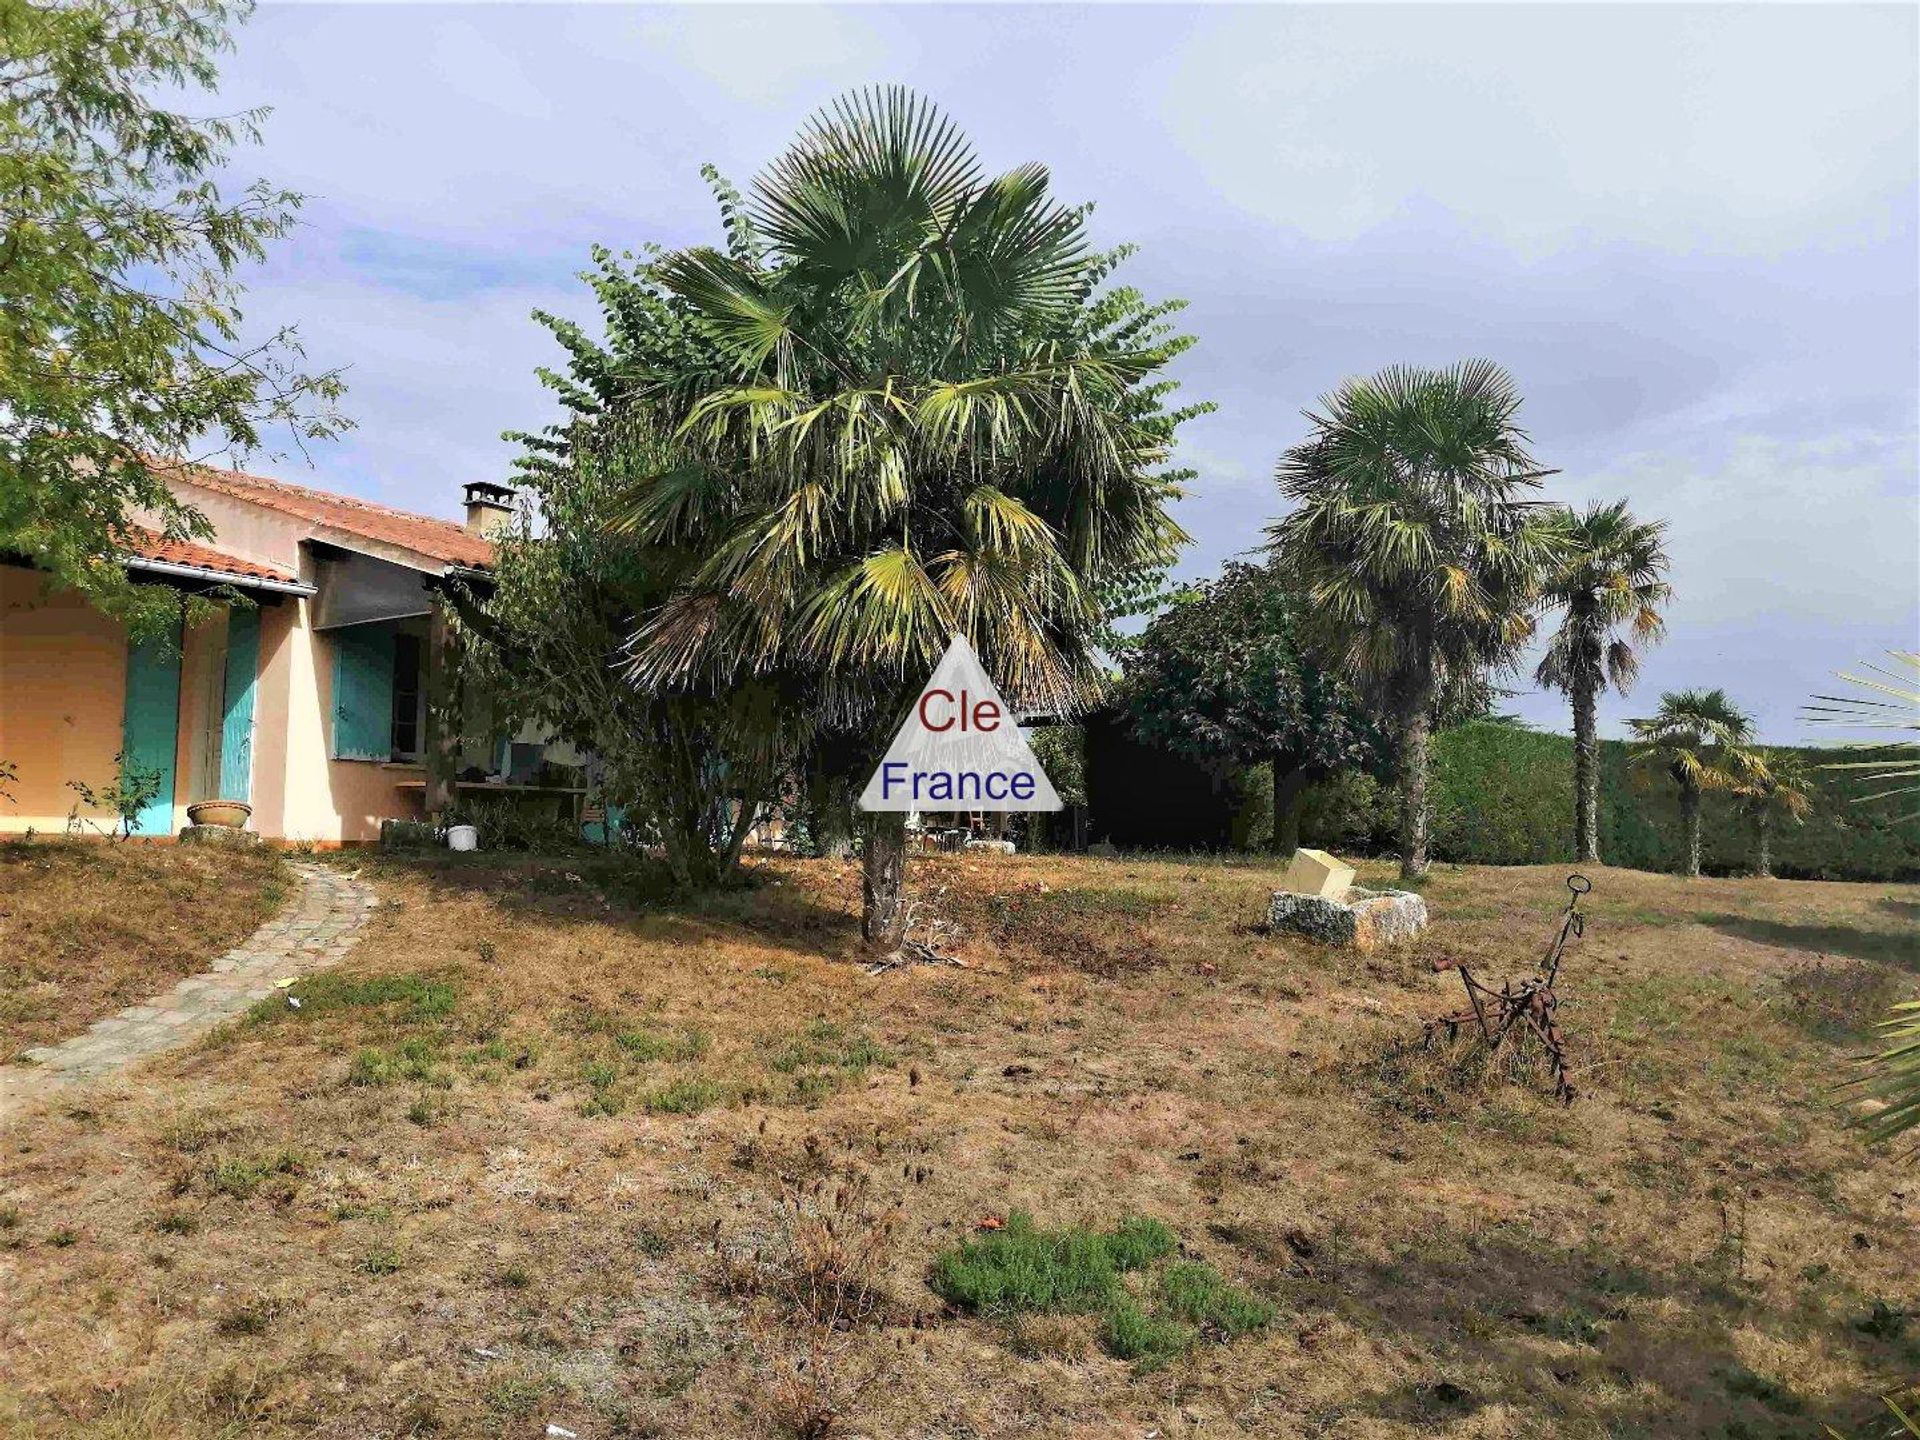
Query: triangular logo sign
[960,749]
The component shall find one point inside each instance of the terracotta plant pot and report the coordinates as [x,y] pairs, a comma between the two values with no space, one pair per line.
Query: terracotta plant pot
[231,814]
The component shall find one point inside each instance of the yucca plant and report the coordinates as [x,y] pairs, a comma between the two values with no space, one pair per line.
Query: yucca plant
[1611,585]
[1420,549]
[911,408]
[1891,701]
[1698,738]
[1769,787]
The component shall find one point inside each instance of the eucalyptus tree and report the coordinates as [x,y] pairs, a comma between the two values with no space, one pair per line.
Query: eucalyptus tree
[1611,587]
[1699,738]
[1417,543]
[912,406]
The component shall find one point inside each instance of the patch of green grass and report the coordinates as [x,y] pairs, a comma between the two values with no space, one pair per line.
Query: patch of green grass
[415,997]
[514,1277]
[416,1059]
[1150,1341]
[241,1175]
[176,1222]
[1198,1294]
[647,1043]
[63,1237]
[1026,1268]
[1023,1269]
[684,1097]
[824,1045]
[380,1260]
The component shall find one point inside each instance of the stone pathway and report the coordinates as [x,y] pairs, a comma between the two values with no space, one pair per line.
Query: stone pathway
[313,932]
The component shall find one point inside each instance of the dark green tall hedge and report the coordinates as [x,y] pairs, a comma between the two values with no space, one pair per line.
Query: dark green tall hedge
[1504,796]
[1501,796]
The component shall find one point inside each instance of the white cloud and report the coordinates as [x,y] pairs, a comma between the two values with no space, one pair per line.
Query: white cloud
[1754,128]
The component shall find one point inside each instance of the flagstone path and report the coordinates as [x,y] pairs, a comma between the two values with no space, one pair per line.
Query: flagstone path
[314,931]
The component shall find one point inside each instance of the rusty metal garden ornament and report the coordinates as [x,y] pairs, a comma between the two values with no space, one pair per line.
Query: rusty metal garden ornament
[1522,1005]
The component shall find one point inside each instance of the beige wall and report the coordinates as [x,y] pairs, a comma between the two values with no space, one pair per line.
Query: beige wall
[63,691]
[63,673]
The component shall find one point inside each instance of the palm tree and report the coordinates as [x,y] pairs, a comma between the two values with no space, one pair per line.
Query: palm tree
[1611,585]
[1414,539]
[1892,703]
[913,411]
[1768,785]
[1697,737]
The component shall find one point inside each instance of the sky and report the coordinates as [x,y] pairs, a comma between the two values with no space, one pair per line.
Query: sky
[1691,233]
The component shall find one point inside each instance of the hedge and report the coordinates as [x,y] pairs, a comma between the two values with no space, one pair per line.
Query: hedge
[1503,795]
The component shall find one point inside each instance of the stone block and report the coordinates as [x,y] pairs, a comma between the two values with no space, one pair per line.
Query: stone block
[1314,872]
[1367,920]
[992,847]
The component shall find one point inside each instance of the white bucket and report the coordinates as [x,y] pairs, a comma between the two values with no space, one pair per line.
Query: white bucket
[462,837]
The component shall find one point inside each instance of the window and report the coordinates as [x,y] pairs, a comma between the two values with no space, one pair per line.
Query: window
[406,696]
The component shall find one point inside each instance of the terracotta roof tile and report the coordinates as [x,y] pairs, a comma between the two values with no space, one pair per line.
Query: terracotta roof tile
[147,544]
[442,540]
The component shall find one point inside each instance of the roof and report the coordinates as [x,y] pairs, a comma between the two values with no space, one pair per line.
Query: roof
[444,540]
[148,545]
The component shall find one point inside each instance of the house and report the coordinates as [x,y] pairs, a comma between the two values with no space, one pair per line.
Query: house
[310,703]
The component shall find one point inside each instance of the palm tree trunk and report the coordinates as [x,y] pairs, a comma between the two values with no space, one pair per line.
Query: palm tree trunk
[1288,783]
[883,914]
[1690,817]
[1586,774]
[1415,731]
[1763,822]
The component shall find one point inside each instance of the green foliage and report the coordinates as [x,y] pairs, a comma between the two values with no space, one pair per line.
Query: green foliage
[1128,1331]
[504,824]
[416,997]
[1417,544]
[548,644]
[1023,1267]
[1892,1080]
[133,789]
[827,1044]
[1062,753]
[1883,699]
[1222,676]
[1502,796]
[1198,1294]
[122,334]
[1610,585]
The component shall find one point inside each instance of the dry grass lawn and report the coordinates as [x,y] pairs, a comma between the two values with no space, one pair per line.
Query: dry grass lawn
[548,1149]
[87,927]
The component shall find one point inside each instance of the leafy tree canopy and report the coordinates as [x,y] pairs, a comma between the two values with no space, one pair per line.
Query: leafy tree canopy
[120,333]
[1223,677]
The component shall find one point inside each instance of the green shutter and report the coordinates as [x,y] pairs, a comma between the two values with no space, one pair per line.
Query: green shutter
[151,727]
[363,692]
[236,723]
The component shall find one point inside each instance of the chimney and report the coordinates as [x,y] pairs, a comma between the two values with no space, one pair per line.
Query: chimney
[489,506]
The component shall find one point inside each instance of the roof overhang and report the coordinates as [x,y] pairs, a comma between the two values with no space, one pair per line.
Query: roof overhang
[172,570]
